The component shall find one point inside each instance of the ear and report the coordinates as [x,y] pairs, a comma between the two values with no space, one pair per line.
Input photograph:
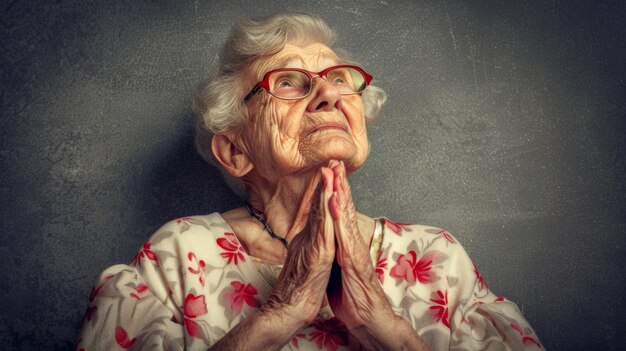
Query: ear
[230,156]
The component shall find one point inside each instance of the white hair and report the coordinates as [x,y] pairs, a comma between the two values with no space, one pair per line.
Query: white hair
[219,105]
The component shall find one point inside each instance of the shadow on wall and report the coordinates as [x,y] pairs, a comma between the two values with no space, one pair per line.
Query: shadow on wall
[182,184]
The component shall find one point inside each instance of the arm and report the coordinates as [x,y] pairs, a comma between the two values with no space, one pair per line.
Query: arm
[123,312]
[481,319]
[268,329]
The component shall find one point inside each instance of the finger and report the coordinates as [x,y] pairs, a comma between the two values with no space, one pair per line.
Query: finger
[327,220]
[332,164]
[333,205]
[351,249]
[339,215]
[352,254]
[343,180]
[342,188]
[337,184]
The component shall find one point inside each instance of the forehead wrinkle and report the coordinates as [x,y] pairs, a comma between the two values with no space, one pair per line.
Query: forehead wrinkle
[313,54]
[321,61]
[322,58]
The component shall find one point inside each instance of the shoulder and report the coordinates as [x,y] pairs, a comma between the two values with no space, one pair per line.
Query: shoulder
[421,256]
[183,255]
[396,232]
[190,228]
[186,236]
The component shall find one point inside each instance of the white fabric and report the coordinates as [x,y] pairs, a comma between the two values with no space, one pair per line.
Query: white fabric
[192,282]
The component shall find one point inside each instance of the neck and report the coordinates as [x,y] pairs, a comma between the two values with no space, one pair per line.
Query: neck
[285,203]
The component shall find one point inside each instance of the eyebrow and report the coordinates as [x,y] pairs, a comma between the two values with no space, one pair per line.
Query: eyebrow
[293,59]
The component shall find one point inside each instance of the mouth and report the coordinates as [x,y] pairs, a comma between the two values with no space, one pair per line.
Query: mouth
[326,126]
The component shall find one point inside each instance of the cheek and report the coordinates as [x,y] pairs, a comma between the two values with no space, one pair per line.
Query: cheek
[292,117]
[258,134]
[354,111]
[277,134]
[355,114]
[281,120]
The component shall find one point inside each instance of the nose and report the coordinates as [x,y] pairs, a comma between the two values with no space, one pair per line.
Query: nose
[325,97]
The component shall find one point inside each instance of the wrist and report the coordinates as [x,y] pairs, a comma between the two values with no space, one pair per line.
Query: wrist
[280,324]
[267,329]
[397,335]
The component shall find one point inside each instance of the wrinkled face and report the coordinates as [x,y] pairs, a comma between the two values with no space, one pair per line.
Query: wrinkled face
[289,136]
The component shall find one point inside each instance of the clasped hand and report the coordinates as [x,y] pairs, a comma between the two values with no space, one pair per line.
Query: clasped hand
[332,239]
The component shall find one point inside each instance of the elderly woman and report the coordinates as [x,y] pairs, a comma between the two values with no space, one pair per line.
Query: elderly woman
[297,267]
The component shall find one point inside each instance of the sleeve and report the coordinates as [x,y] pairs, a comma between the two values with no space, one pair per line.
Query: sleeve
[124,314]
[482,320]
[478,319]
[133,307]
[432,282]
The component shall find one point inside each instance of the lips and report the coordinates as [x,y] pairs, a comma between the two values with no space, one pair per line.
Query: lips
[325,126]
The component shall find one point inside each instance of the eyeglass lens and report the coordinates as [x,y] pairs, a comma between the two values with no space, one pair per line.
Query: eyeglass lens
[294,84]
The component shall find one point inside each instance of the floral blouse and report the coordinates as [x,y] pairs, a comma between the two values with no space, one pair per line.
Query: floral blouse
[192,282]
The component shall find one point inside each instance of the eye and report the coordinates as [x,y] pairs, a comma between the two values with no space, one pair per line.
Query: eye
[284,83]
[338,77]
[339,80]
[289,84]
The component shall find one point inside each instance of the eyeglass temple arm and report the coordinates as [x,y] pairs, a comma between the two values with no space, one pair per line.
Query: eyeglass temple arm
[252,92]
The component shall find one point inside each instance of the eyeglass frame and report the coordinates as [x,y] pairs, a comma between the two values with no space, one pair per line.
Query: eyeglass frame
[322,74]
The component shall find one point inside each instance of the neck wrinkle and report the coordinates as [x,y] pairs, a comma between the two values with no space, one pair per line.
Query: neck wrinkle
[287,206]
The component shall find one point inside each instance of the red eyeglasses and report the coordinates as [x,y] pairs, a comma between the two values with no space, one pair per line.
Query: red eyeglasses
[296,83]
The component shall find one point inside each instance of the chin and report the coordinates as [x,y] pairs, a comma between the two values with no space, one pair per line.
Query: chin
[337,147]
[352,160]
[351,155]
[353,166]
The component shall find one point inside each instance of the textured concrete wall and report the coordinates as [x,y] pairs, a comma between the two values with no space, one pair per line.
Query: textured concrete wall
[505,124]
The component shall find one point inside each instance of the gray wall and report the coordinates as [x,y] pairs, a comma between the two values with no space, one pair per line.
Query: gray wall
[505,125]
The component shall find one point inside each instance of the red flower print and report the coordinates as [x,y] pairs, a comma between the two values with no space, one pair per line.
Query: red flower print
[240,293]
[500,299]
[526,338]
[440,311]
[395,226]
[90,312]
[329,334]
[294,340]
[145,251]
[139,289]
[199,267]
[193,328]
[412,270]
[447,235]
[94,292]
[234,251]
[479,278]
[122,338]
[194,306]
[381,265]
